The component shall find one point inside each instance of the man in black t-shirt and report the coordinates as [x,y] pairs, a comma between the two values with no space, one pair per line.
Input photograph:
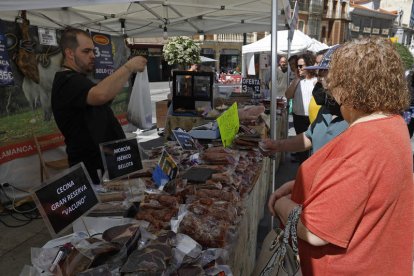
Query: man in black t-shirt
[82,108]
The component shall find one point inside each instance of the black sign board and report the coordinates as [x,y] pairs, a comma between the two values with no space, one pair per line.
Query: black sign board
[65,198]
[251,86]
[121,157]
[185,140]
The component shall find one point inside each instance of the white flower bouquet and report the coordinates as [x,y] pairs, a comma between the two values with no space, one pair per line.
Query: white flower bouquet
[181,50]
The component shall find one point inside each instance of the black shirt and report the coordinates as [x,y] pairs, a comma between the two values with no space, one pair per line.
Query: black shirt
[83,126]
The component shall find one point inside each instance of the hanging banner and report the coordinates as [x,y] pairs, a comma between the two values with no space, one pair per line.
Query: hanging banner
[6,75]
[104,63]
[47,36]
[25,110]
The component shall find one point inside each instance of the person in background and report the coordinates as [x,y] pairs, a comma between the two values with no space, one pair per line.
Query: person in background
[80,107]
[357,192]
[293,64]
[329,122]
[410,111]
[313,106]
[300,90]
[194,67]
[237,71]
[282,77]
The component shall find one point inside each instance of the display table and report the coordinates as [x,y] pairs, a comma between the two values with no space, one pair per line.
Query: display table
[243,252]
[241,249]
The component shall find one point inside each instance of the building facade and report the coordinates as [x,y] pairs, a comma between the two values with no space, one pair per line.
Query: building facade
[324,20]
[368,18]
[403,27]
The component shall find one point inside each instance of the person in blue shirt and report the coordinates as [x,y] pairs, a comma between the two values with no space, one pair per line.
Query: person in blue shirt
[328,124]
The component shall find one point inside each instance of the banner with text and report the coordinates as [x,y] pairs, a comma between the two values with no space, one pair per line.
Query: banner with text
[6,74]
[104,64]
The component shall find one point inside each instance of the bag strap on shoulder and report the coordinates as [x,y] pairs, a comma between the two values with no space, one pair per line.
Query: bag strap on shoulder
[291,230]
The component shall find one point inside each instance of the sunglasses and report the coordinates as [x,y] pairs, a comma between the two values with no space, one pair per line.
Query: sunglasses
[300,66]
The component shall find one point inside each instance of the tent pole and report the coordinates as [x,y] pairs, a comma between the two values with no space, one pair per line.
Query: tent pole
[273,93]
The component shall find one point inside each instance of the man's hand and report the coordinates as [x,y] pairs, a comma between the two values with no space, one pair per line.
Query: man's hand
[269,147]
[284,190]
[136,64]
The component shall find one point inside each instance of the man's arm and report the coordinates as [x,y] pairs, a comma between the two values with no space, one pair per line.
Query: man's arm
[296,143]
[109,87]
[290,92]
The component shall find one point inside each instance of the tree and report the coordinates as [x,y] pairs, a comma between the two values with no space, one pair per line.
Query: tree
[406,56]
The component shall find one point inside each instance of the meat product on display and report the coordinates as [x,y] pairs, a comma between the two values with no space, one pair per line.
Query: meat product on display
[152,259]
[220,195]
[121,233]
[205,230]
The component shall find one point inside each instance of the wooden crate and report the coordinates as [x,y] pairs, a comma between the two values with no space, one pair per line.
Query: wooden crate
[161,111]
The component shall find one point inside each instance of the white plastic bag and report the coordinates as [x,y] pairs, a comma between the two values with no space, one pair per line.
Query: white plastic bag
[139,107]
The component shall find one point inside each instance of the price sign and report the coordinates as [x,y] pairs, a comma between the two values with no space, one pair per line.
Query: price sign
[47,36]
[229,124]
[121,157]
[6,75]
[185,140]
[165,170]
[104,63]
[65,198]
[251,86]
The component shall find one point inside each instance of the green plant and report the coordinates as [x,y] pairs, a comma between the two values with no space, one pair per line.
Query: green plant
[406,56]
[181,50]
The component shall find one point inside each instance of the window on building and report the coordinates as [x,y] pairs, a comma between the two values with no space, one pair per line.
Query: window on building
[343,9]
[325,7]
[301,25]
[229,60]
[323,35]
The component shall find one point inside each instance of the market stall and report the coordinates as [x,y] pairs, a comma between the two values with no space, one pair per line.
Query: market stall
[221,211]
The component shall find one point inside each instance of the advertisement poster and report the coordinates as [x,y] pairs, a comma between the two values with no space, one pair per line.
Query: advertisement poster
[104,64]
[25,106]
[6,74]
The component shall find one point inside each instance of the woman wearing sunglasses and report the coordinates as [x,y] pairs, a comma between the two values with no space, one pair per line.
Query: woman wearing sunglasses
[300,90]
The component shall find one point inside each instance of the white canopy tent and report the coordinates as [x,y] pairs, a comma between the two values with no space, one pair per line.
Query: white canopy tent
[317,46]
[300,43]
[207,59]
[146,18]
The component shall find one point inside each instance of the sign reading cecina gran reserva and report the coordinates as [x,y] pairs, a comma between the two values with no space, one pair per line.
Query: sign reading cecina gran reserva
[120,157]
[65,198]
